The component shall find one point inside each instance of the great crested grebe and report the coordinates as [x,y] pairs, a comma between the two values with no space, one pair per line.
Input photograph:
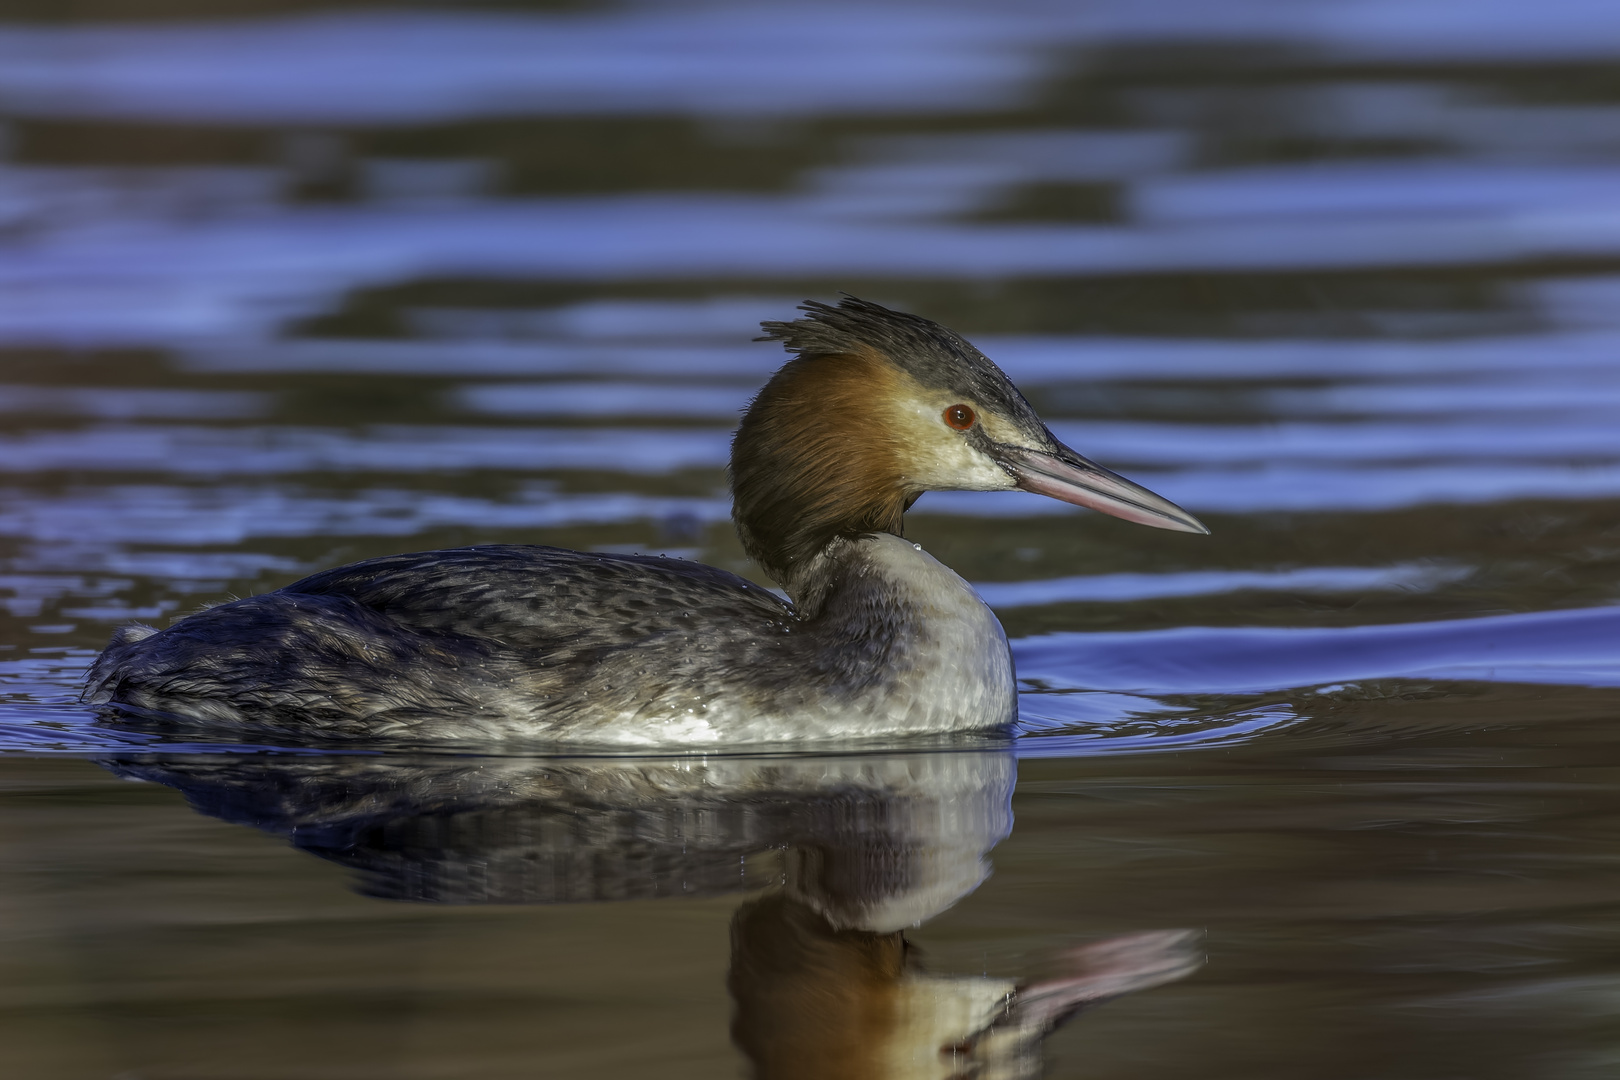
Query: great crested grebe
[541,644]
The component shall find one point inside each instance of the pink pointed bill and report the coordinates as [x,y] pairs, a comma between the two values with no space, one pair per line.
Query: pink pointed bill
[1071,478]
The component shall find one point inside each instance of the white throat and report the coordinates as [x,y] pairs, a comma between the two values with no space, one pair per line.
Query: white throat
[955,672]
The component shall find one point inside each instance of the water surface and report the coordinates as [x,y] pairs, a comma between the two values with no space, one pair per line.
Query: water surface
[293,285]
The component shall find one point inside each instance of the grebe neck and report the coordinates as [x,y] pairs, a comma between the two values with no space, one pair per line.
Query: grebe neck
[814,461]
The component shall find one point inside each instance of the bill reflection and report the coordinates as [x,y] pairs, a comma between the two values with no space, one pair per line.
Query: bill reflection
[842,853]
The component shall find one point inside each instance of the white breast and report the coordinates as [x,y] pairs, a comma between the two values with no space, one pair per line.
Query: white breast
[958,672]
[946,668]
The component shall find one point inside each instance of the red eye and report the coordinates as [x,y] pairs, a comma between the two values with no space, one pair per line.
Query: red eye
[959,417]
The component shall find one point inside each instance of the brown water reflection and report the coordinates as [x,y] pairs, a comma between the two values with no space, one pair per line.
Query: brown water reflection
[814,1000]
[1420,883]
[850,850]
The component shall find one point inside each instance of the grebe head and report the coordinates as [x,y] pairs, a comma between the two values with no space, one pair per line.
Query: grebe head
[877,407]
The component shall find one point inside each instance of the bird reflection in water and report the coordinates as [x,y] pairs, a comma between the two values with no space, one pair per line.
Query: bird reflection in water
[815,1001]
[849,850]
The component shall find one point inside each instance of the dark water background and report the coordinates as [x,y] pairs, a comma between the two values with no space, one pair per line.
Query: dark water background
[284,285]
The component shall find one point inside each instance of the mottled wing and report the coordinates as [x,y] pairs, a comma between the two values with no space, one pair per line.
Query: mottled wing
[469,642]
[541,599]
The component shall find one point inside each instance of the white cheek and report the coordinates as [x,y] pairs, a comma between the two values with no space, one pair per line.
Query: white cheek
[941,459]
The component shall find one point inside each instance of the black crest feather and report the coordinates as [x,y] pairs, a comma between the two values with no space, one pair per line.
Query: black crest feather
[932,354]
[905,338]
